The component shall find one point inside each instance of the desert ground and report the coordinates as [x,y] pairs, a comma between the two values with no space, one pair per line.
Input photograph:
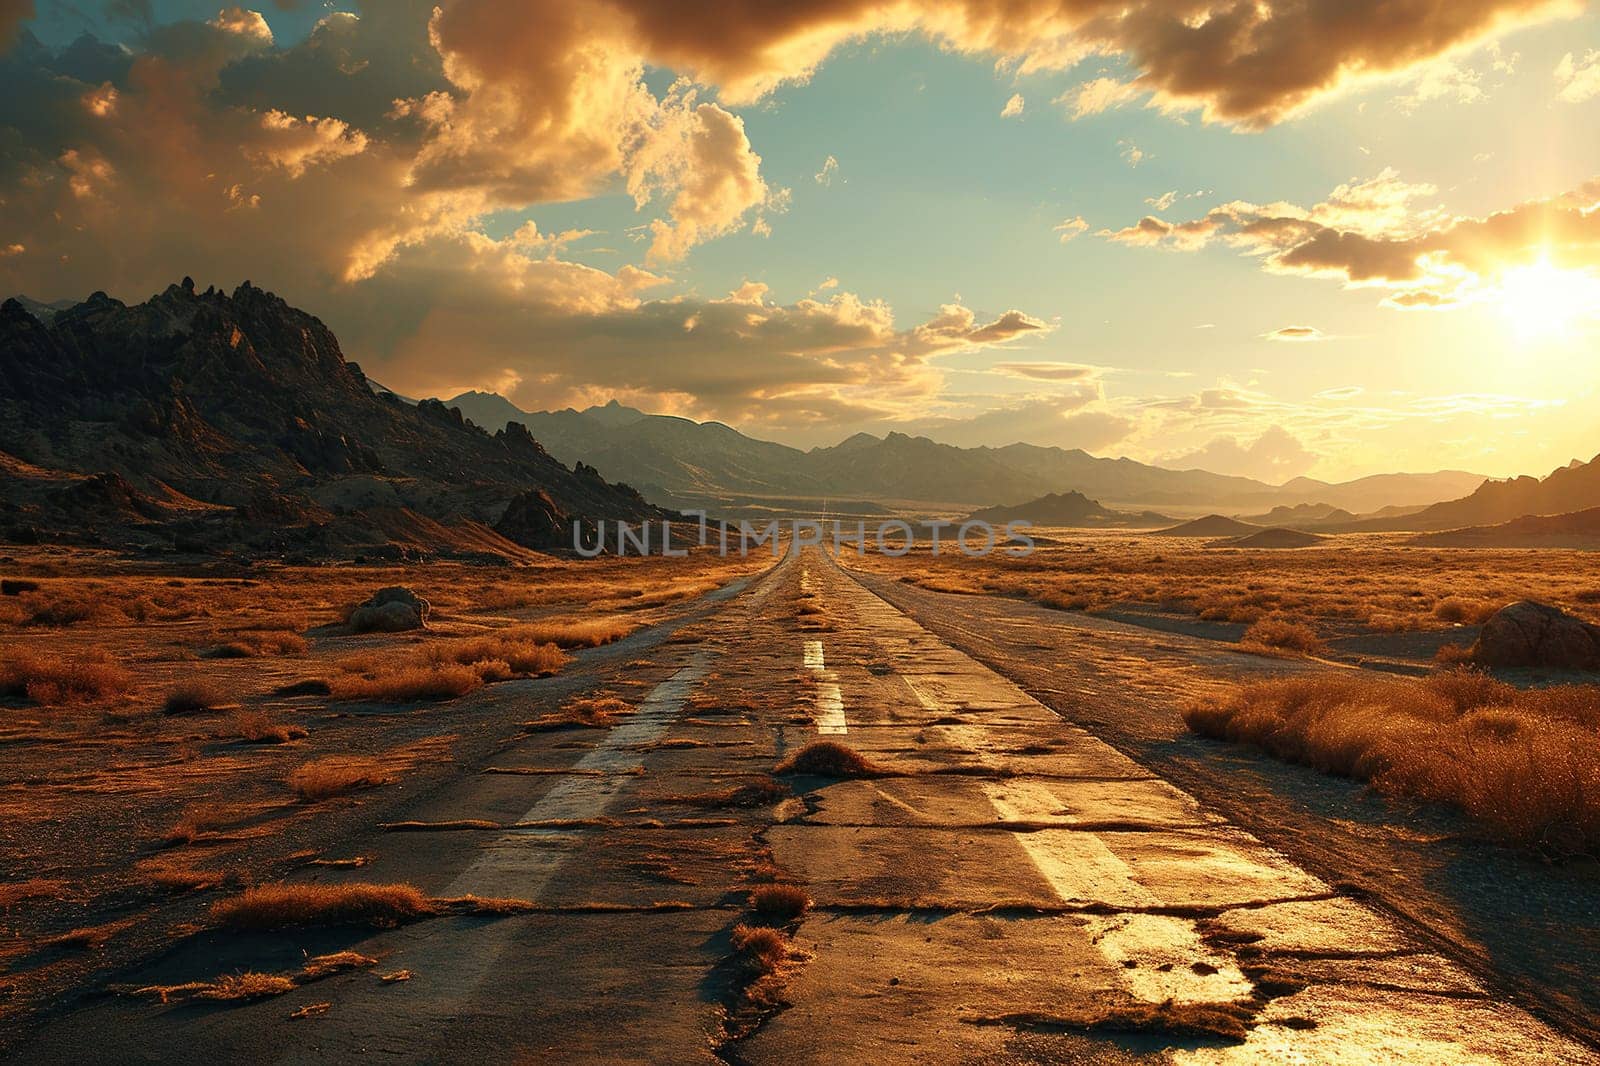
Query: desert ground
[1121,800]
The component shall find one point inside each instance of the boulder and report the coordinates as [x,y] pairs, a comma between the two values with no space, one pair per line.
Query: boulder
[1536,634]
[390,610]
[533,520]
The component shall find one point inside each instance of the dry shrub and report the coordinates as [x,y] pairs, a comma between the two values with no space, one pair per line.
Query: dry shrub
[408,683]
[829,758]
[55,682]
[584,712]
[1282,634]
[335,775]
[258,728]
[184,879]
[288,906]
[201,818]
[1526,764]
[252,985]
[248,645]
[445,669]
[780,903]
[1459,609]
[576,633]
[524,655]
[193,697]
[1453,655]
[762,947]
[68,608]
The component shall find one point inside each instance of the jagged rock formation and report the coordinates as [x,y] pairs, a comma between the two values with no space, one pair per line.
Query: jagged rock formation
[235,420]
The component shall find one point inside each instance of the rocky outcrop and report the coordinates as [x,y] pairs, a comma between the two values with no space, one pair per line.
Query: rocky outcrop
[390,610]
[230,401]
[534,521]
[1536,634]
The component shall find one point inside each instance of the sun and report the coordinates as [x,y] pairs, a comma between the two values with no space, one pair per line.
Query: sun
[1543,301]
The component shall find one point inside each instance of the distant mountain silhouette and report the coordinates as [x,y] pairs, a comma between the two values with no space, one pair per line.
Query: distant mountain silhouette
[675,460]
[1567,489]
[1067,509]
[1301,516]
[235,421]
[1271,538]
[1578,529]
[1212,525]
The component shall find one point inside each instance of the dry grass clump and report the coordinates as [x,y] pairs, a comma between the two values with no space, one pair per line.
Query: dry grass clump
[335,775]
[763,948]
[252,985]
[193,697]
[1282,635]
[584,712]
[201,818]
[1525,763]
[259,728]
[289,906]
[829,758]
[575,633]
[780,903]
[62,681]
[14,892]
[445,669]
[254,643]
[525,655]
[407,683]
[87,938]
[1461,610]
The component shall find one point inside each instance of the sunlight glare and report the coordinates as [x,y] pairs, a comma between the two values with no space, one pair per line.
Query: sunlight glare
[1543,301]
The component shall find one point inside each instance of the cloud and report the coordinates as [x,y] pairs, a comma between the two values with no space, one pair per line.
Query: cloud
[829,171]
[1013,106]
[1579,81]
[1275,456]
[1070,228]
[1096,96]
[1047,371]
[1075,417]
[1162,202]
[1242,62]
[1374,233]
[1296,334]
[1131,153]
[714,175]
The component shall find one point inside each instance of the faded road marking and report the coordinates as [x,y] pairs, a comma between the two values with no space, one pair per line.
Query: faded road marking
[829,714]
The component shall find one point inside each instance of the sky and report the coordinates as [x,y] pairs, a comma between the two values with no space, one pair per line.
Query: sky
[1270,238]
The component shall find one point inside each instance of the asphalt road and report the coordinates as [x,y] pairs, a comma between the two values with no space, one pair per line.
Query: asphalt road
[1012,889]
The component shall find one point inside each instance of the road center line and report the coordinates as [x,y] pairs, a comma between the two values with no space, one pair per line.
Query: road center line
[829,714]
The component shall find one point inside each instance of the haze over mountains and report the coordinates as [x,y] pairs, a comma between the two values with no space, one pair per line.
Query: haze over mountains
[681,462]
[235,421]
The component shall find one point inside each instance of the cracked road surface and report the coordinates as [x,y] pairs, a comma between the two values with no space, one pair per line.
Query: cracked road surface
[1008,889]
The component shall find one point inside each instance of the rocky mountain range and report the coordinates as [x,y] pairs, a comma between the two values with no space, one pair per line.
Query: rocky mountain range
[680,462]
[219,420]
[1571,488]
